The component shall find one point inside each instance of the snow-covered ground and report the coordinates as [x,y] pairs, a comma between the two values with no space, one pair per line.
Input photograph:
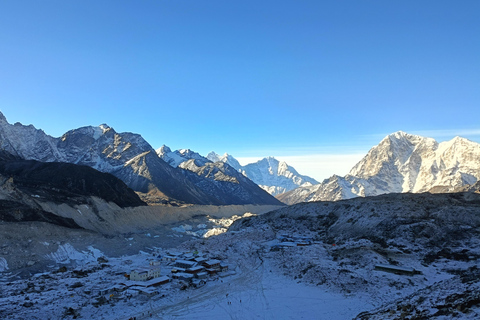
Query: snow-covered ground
[210,227]
[311,261]
[252,289]
[261,294]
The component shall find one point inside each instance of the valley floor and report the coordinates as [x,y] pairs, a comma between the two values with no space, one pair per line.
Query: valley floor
[253,291]
[261,294]
[278,269]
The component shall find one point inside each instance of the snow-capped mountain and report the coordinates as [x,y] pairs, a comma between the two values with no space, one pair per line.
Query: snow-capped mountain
[226,158]
[275,176]
[175,158]
[401,162]
[271,175]
[125,155]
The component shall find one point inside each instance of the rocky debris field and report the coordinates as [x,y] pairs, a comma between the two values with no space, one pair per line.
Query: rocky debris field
[327,253]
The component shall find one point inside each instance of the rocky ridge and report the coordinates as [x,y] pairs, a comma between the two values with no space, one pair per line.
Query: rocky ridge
[271,175]
[125,155]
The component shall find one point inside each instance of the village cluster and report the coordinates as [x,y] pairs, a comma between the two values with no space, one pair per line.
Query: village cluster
[125,281]
[190,269]
[286,241]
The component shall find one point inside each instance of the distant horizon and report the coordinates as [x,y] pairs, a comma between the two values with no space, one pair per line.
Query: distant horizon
[315,83]
[318,166]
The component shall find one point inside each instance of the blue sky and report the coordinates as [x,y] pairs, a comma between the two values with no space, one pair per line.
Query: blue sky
[299,80]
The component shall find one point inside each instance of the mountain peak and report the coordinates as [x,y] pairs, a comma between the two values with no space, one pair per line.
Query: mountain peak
[105,127]
[402,135]
[2,117]
[163,150]
[213,156]
[399,133]
[460,139]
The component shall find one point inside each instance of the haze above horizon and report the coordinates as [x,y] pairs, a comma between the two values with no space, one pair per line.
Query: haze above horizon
[313,83]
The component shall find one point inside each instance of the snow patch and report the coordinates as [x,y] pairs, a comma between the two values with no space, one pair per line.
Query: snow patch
[66,253]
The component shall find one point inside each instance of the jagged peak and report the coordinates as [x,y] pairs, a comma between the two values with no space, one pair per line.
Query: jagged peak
[105,127]
[400,135]
[461,139]
[164,149]
[2,117]
[213,156]
[401,138]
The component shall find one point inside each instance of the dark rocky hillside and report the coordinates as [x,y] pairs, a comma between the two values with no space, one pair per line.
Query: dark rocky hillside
[15,211]
[27,185]
[63,182]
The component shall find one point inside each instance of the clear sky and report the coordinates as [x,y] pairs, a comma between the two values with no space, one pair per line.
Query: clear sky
[316,83]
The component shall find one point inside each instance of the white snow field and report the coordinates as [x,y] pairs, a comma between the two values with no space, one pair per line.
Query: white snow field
[260,294]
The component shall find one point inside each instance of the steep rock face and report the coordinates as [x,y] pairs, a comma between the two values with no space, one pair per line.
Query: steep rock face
[228,182]
[401,162]
[275,176]
[20,140]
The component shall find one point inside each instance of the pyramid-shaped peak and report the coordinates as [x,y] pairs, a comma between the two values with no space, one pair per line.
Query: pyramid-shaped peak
[403,137]
[213,156]
[164,149]
[460,139]
[2,117]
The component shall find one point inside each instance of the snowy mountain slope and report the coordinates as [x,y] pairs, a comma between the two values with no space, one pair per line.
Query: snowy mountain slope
[276,176]
[226,158]
[18,140]
[273,176]
[125,155]
[401,162]
[175,158]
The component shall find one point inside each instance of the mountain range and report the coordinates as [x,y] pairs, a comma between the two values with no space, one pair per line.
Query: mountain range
[270,174]
[400,163]
[130,158]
